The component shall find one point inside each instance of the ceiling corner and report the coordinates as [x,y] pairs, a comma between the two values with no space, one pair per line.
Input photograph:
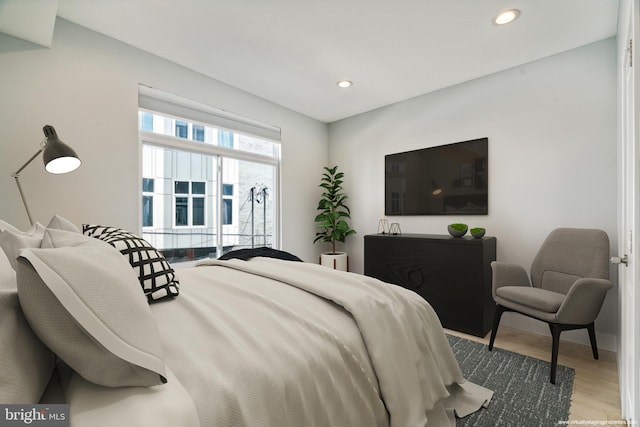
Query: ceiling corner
[30,20]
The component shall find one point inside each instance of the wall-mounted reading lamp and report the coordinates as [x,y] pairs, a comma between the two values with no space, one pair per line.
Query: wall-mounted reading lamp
[58,158]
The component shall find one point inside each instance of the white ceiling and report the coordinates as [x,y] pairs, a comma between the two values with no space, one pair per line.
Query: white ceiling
[292,52]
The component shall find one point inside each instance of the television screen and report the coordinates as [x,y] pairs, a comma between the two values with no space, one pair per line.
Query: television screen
[444,180]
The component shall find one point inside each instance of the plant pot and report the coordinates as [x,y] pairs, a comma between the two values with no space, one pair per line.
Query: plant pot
[457,230]
[477,232]
[337,261]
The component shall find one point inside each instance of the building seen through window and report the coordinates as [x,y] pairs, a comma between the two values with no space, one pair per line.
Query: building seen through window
[203,202]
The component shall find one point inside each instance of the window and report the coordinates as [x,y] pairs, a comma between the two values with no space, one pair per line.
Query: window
[198,211]
[197,200]
[182,130]
[250,205]
[205,195]
[146,121]
[182,211]
[147,201]
[197,188]
[198,133]
[227,204]
[181,187]
[225,138]
[163,125]
[147,185]
[147,211]
[189,205]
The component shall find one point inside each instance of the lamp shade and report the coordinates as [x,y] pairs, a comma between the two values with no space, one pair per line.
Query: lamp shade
[58,157]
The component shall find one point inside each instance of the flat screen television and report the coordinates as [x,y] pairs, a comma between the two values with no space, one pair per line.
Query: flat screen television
[444,180]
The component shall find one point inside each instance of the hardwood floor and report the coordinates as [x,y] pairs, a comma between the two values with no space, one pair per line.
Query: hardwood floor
[596,393]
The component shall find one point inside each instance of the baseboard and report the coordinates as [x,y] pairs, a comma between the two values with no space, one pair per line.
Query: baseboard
[513,320]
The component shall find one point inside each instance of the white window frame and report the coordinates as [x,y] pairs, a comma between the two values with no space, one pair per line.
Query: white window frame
[218,152]
[189,196]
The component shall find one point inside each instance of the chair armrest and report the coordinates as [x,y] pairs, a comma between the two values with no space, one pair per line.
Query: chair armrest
[583,301]
[507,274]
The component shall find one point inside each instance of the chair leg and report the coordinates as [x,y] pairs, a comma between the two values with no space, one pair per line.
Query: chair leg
[555,335]
[592,338]
[496,321]
[556,329]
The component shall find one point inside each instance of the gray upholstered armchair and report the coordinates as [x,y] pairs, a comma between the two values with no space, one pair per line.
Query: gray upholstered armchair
[569,280]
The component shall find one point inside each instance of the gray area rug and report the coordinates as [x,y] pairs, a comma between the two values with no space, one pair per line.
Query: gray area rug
[523,395]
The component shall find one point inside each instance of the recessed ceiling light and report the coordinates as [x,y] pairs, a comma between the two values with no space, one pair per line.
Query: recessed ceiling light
[344,83]
[506,16]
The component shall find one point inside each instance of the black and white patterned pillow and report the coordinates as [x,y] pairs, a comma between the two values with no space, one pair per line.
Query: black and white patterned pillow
[156,276]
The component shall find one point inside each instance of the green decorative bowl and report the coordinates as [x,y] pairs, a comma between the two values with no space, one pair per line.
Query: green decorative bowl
[457,230]
[477,232]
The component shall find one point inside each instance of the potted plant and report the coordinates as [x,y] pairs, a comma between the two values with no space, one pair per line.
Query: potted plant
[332,218]
[457,229]
[477,232]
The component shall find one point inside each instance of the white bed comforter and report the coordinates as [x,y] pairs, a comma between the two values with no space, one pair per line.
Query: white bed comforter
[409,352]
[252,345]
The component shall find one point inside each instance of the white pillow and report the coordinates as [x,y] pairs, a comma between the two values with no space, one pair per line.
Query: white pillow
[60,223]
[12,241]
[83,300]
[6,226]
[25,363]
[7,274]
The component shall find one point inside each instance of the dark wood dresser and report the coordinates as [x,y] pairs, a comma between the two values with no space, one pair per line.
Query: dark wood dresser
[452,274]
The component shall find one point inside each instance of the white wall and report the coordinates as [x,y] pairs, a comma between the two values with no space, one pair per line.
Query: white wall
[86,86]
[551,126]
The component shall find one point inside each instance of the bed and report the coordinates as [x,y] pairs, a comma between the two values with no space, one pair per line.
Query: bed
[97,319]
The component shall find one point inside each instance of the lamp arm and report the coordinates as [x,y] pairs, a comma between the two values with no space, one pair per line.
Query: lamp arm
[24,201]
[16,175]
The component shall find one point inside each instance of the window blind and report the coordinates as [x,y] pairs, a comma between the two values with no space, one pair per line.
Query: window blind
[163,102]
